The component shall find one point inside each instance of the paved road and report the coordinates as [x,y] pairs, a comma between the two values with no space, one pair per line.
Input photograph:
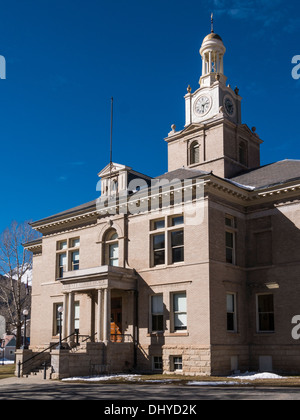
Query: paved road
[35,389]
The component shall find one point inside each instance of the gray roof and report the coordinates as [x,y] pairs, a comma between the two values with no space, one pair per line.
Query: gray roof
[182,173]
[82,208]
[269,175]
[262,177]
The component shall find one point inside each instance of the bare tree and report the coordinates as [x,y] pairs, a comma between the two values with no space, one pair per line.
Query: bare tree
[15,264]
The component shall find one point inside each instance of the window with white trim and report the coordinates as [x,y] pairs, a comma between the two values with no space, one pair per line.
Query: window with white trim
[157,363]
[157,313]
[231,312]
[194,153]
[112,248]
[176,363]
[179,311]
[230,239]
[167,241]
[67,256]
[265,313]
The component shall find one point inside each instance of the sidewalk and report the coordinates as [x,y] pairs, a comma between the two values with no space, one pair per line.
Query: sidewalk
[31,380]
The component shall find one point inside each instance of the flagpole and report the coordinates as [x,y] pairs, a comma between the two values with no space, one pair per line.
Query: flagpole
[111,128]
[111,135]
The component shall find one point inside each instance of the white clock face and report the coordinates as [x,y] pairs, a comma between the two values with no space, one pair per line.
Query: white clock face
[229,106]
[202,105]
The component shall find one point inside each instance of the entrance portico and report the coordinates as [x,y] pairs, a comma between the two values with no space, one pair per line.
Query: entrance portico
[99,282]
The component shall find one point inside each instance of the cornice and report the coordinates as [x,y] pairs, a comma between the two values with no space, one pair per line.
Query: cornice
[280,190]
[34,246]
[212,184]
[63,222]
[224,187]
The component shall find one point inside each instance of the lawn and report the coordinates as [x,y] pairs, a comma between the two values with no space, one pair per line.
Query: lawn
[7,371]
[267,380]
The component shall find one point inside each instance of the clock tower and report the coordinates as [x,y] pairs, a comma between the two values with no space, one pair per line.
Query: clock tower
[213,93]
[214,138]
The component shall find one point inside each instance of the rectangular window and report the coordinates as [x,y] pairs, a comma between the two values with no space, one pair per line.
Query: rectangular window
[177,220]
[75,260]
[69,259]
[62,264]
[230,221]
[62,245]
[230,239]
[179,311]
[231,312]
[157,363]
[230,247]
[167,244]
[158,249]
[157,311]
[158,224]
[265,313]
[114,255]
[177,246]
[177,363]
[75,243]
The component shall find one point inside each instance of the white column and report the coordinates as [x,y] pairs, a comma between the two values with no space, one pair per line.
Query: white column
[70,314]
[64,321]
[221,65]
[203,65]
[107,315]
[210,63]
[218,63]
[99,315]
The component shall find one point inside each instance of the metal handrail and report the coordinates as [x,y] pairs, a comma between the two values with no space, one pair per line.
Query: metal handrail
[77,344]
[88,337]
[42,352]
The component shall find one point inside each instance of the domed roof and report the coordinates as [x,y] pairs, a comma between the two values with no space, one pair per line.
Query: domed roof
[212,35]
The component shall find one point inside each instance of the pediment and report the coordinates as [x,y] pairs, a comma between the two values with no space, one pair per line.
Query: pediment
[189,129]
[192,127]
[113,169]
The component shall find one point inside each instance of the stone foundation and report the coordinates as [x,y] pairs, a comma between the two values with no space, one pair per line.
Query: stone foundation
[98,358]
[196,360]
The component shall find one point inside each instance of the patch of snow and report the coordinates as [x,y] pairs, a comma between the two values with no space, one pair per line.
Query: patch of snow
[161,380]
[251,376]
[6,361]
[248,376]
[102,378]
[237,184]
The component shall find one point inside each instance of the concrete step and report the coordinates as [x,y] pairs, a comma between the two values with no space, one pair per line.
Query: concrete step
[39,373]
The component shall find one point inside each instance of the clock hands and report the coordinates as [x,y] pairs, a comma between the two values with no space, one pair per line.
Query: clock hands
[202,105]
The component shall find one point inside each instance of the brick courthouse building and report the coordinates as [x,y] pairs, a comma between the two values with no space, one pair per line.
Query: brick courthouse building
[150,285]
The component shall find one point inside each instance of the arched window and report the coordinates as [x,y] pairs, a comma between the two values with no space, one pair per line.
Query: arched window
[194,153]
[112,248]
[115,186]
[243,155]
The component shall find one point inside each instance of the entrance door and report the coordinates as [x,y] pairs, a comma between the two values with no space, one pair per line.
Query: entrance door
[116,320]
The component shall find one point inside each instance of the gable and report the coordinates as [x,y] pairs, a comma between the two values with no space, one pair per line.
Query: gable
[113,169]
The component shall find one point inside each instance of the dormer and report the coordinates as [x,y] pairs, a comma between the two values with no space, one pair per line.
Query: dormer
[117,179]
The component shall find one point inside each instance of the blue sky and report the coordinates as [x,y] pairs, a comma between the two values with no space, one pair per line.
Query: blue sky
[65,59]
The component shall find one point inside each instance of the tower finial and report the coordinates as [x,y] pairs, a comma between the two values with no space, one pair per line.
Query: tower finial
[212,23]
